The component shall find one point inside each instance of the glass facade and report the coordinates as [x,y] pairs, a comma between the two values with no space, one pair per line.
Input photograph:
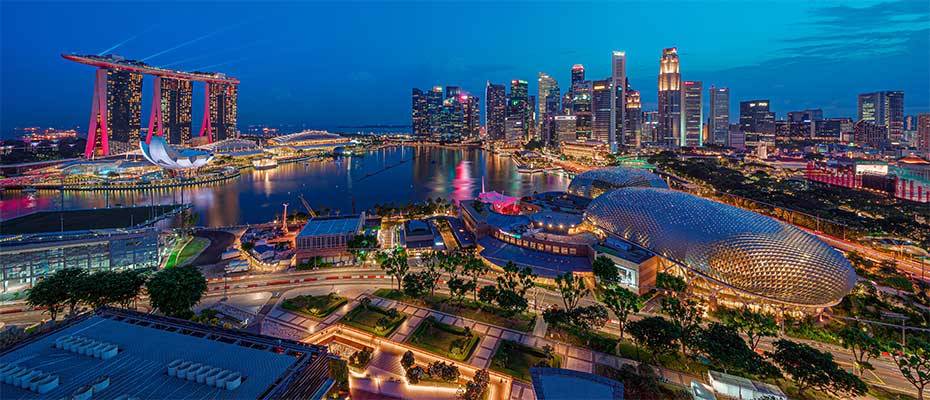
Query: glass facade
[29,258]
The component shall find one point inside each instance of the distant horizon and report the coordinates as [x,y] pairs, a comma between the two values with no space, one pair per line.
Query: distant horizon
[356,67]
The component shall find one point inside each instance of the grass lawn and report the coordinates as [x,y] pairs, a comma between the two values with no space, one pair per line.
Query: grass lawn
[368,318]
[314,306]
[191,249]
[470,309]
[444,339]
[597,341]
[516,359]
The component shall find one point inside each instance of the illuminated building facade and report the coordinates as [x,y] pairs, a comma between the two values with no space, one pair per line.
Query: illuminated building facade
[669,123]
[565,128]
[923,133]
[719,119]
[546,87]
[577,74]
[755,117]
[870,134]
[495,98]
[581,109]
[124,109]
[650,127]
[518,106]
[419,114]
[602,105]
[618,84]
[692,134]
[434,112]
[633,116]
[885,108]
[176,96]
[552,106]
[223,106]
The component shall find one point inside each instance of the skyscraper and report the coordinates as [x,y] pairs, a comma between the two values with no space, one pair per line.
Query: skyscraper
[577,74]
[754,116]
[434,112]
[581,108]
[223,110]
[650,127]
[885,108]
[124,109]
[419,114]
[472,116]
[176,96]
[923,133]
[669,124]
[719,115]
[693,114]
[602,105]
[547,85]
[565,128]
[618,85]
[495,97]
[633,117]
[517,107]
[553,106]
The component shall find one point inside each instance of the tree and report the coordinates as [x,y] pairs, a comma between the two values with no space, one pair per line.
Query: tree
[512,286]
[339,372]
[488,294]
[474,268]
[724,346]
[755,325]
[863,346]
[50,293]
[571,289]
[71,279]
[129,284]
[394,263]
[175,291]
[361,245]
[408,361]
[622,302]
[433,261]
[914,362]
[476,387]
[605,270]
[416,284]
[589,318]
[671,282]
[460,287]
[656,334]
[812,368]
[686,315]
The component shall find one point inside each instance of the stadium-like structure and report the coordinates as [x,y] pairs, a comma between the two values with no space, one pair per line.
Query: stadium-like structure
[742,250]
[593,183]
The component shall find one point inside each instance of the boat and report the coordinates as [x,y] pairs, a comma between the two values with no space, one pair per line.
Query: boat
[264,163]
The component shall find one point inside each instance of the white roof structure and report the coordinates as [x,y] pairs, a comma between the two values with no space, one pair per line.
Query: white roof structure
[160,153]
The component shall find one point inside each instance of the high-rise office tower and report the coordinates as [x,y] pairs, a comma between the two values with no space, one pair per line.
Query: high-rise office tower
[602,105]
[472,116]
[223,98]
[719,115]
[552,106]
[755,117]
[495,97]
[434,109]
[650,127]
[885,108]
[567,102]
[546,85]
[577,74]
[419,114]
[453,119]
[692,133]
[176,96]
[870,134]
[669,127]
[923,133]
[581,109]
[565,128]
[800,124]
[633,119]
[532,132]
[618,85]
[517,106]
[453,91]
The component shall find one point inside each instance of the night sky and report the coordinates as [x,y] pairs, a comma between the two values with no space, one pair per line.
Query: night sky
[325,65]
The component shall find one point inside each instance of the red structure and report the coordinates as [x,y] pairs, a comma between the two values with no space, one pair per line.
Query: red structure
[98,134]
[905,189]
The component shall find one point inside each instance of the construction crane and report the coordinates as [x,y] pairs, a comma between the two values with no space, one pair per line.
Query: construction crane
[306,205]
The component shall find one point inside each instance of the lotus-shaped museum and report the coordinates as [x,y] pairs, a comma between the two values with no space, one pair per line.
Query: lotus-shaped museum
[160,153]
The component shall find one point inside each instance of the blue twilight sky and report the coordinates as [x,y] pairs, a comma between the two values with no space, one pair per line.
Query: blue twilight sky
[329,64]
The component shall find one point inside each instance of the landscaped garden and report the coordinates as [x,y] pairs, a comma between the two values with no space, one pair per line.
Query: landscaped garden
[373,319]
[314,306]
[184,253]
[446,340]
[516,359]
[475,310]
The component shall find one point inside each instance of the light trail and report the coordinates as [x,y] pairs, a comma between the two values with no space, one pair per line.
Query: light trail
[115,46]
[192,41]
[220,64]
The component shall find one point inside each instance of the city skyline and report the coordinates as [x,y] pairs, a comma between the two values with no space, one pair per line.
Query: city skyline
[40,89]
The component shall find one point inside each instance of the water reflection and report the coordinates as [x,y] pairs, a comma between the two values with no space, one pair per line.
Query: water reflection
[394,175]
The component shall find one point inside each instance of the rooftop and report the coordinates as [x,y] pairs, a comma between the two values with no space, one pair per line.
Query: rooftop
[558,383]
[340,225]
[542,263]
[83,220]
[147,344]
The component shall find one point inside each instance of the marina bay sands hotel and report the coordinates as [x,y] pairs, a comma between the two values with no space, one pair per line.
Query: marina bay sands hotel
[116,108]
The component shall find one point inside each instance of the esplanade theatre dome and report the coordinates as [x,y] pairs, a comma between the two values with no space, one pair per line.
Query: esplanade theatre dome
[596,182]
[740,249]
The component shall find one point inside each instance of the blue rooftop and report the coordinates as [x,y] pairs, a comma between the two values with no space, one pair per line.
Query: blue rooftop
[543,264]
[566,384]
[321,226]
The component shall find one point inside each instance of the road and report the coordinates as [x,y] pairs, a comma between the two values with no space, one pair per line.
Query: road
[913,268]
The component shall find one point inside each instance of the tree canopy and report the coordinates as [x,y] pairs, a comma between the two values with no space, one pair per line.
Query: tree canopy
[174,291]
